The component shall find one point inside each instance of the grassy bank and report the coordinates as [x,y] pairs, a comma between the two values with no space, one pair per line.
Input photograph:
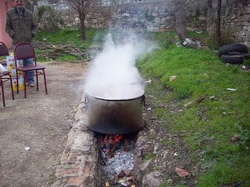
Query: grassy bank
[210,116]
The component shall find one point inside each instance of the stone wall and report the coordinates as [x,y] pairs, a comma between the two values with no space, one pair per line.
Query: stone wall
[152,16]
[235,21]
[235,18]
[158,15]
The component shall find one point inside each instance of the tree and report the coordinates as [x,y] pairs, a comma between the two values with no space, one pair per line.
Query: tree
[81,7]
[218,23]
[29,5]
[180,19]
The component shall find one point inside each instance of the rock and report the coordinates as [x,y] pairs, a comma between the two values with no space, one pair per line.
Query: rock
[151,180]
[156,149]
[170,181]
[235,138]
[145,165]
[189,103]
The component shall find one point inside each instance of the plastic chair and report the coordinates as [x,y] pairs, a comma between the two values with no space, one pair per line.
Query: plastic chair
[24,51]
[5,76]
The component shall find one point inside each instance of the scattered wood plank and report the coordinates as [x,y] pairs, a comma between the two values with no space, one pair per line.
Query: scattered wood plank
[52,51]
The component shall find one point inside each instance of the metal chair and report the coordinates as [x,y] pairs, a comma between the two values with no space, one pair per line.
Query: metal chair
[5,76]
[24,51]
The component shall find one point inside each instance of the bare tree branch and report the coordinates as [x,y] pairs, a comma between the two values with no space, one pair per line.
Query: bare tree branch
[81,7]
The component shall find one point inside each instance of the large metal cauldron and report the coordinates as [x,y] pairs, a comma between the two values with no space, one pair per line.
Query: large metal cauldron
[109,116]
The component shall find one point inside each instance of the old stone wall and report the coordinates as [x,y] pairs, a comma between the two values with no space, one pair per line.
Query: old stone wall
[152,16]
[235,21]
[235,18]
[158,15]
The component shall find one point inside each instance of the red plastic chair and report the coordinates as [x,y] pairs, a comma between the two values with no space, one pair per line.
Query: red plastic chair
[5,76]
[25,51]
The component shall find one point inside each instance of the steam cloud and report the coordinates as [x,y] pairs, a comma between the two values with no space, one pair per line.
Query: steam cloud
[113,74]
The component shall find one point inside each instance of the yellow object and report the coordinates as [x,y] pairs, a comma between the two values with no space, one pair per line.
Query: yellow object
[12,69]
[11,64]
[20,83]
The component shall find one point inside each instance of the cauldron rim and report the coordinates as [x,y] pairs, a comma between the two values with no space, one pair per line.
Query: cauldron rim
[109,99]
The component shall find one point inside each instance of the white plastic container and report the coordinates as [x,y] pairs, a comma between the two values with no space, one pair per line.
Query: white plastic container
[3,69]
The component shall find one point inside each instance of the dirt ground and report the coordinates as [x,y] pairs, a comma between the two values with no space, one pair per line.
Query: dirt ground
[40,122]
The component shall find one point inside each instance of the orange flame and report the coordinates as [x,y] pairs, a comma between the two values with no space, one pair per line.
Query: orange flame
[110,143]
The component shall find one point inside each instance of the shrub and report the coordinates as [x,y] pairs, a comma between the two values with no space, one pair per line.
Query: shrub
[48,19]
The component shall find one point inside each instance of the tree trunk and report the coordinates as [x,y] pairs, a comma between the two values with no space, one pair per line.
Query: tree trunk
[83,34]
[180,19]
[218,23]
[29,5]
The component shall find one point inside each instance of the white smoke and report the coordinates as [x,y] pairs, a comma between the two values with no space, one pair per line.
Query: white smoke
[113,74]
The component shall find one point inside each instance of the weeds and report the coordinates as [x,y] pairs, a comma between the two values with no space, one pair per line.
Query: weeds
[148,156]
[244,136]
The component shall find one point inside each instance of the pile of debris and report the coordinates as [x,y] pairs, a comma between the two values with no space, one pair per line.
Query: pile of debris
[189,43]
[52,52]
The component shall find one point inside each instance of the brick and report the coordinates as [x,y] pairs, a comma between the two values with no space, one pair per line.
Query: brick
[74,181]
[67,172]
[86,169]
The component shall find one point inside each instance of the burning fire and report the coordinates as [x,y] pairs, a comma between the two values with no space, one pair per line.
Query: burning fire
[110,143]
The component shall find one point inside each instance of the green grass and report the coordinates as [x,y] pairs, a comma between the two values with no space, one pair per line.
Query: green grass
[72,37]
[148,156]
[67,58]
[208,125]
